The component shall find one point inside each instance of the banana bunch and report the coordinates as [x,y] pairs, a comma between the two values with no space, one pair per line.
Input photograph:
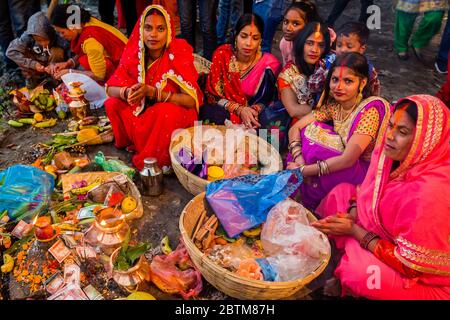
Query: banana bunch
[43,100]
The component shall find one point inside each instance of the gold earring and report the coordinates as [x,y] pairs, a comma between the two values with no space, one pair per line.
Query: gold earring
[359,97]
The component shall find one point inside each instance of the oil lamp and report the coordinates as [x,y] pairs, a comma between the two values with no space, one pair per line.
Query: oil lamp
[108,230]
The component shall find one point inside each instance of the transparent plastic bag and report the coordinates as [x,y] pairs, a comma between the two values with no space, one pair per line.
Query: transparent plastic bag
[287,230]
[25,191]
[293,247]
[114,165]
[175,273]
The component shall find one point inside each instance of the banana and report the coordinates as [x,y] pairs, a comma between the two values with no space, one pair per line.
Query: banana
[252,233]
[8,263]
[86,189]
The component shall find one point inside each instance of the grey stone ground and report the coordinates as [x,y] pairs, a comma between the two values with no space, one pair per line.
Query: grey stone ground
[398,79]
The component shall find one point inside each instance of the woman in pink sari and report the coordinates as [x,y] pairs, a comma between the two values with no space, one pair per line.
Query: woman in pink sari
[395,233]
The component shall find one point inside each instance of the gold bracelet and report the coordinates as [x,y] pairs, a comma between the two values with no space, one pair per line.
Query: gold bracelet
[158,95]
[168,96]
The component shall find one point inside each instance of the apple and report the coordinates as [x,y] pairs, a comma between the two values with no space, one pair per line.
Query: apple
[44,233]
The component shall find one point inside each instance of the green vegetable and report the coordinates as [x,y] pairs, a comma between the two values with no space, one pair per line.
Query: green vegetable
[26,120]
[15,124]
[128,255]
[221,233]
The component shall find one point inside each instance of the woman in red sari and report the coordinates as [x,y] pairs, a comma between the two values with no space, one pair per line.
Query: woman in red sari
[395,234]
[97,45]
[154,91]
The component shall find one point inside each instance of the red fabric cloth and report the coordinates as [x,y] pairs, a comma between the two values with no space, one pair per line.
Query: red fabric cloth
[112,44]
[150,129]
[121,23]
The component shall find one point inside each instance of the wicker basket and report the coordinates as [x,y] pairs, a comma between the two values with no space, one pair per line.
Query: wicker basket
[228,282]
[201,64]
[195,184]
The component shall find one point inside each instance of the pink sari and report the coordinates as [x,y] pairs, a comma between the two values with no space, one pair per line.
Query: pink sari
[409,207]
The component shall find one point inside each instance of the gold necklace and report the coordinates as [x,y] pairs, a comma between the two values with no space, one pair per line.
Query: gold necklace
[242,71]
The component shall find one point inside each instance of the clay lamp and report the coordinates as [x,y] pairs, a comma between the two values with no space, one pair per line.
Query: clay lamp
[43,229]
[108,230]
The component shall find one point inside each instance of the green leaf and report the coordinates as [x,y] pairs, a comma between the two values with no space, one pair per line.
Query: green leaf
[123,250]
[134,252]
[122,263]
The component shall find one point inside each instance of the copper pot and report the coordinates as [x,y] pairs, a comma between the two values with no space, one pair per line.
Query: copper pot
[132,277]
[108,232]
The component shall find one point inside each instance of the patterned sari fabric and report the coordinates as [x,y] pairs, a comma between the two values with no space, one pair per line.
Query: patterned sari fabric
[148,126]
[226,84]
[420,6]
[321,141]
[407,207]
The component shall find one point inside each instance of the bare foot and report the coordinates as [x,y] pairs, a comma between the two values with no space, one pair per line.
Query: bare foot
[332,287]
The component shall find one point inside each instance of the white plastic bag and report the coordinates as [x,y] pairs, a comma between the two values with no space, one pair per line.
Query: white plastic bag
[294,247]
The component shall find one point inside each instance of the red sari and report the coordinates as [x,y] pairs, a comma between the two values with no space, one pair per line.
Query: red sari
[148,128]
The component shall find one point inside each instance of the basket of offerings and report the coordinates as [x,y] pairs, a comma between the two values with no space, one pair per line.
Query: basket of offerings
[112,189]
[246,282]
[216,152]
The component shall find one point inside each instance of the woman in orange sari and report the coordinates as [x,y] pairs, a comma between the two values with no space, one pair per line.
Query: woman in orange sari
[154,91]
[394,230]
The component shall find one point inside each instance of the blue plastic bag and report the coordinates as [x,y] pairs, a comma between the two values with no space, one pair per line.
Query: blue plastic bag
[25,191]
[243,202]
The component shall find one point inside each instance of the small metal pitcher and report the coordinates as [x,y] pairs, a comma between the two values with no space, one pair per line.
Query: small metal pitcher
[151,178]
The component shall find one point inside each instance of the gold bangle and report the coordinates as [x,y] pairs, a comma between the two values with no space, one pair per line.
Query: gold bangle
[159,92]
[168,96]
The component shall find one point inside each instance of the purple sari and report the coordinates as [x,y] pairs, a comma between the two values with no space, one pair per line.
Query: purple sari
[321,141]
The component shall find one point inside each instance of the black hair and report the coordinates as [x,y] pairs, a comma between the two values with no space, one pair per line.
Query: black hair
[245,20]
[61,15]
[410,107]
[355,61]
[353,27]
[299,45]
[308,11]
[153,11]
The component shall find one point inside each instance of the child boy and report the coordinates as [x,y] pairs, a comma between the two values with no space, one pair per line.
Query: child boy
[37,50]
[351,37]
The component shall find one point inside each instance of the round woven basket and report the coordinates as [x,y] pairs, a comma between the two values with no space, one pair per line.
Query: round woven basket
[229,282]
[201,64]
[194,184]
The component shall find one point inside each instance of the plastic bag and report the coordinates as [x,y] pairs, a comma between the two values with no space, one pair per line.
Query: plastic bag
[175,273]
[243,202]
[287,231]
[113,165]
[231,255]
[294,248]
[25,191]
[188,161]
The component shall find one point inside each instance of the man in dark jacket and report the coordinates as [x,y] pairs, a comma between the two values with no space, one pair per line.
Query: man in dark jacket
[38,49]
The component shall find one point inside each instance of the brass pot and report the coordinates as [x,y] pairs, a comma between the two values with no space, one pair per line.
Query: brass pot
[132,277]
[79,108]
[108,236]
